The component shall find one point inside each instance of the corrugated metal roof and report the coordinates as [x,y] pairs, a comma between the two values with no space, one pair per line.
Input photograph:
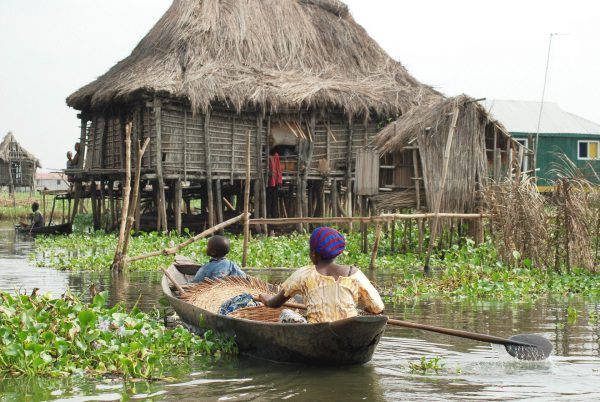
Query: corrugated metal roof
[50,176]
[522,117]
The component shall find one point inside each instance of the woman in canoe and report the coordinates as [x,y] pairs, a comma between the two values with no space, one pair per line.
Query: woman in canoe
[331,291]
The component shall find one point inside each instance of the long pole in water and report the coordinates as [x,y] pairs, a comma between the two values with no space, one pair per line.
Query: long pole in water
[523,347]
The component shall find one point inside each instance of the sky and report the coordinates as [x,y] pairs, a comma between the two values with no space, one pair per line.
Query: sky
[494,49]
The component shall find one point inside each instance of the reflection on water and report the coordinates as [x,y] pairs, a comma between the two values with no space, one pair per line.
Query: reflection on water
[473,371]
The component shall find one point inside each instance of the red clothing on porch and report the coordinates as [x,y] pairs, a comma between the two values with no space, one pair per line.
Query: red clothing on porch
[276,178]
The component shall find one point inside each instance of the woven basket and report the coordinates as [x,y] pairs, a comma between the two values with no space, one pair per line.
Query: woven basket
[260,313]
[210,294]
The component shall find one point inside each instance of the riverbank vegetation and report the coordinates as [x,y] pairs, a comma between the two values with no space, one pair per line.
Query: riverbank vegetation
[460,271]
[19,208]
[40,335]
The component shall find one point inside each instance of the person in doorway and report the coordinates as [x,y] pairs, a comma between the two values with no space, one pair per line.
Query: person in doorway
[37,219]
[331,291]
[218,267]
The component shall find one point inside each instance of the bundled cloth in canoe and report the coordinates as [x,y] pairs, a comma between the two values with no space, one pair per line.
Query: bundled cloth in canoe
[211,294]
[257,330]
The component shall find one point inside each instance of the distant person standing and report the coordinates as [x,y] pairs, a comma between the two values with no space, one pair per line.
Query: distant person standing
[75,159]
[70,164]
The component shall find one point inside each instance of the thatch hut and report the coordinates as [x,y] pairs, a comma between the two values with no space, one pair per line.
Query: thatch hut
[412,150]
[17,165]
[300,77]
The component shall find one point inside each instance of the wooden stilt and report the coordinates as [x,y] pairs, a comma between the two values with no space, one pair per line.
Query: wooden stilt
[256,204]
[156,202]
[161,205]
[219,199]
[334,198]
[393,237]
[138,209]
[111,205]
[77,196]
[43,202]
[299,189]
[349,175]
[363,226]
[262,170]
[101,205]
[177,206]
[375,245]
[94,205]
[209,178]
[246,204]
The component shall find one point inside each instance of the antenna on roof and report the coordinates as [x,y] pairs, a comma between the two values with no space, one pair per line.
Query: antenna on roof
[537,132]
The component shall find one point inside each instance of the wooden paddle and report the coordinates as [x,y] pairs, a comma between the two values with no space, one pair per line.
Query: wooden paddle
[523,347]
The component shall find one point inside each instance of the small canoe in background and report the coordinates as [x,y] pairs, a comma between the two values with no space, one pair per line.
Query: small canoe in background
[65,228]
[345,342]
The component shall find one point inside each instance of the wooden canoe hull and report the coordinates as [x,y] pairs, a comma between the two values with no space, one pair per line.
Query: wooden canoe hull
[65,228]
[345,342]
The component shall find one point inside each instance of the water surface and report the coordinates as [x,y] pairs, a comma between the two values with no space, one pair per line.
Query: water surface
[473,371]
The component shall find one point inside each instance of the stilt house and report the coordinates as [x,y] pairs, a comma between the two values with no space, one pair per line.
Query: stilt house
[300,77]
[412,150]
[17,165]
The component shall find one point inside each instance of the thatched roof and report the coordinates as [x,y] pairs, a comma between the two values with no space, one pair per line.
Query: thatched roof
[427,127]
[434,115]
[5,150]
[273,53]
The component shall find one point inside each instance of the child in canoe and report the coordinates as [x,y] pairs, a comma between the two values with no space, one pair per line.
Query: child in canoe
[218,267]
[331,291]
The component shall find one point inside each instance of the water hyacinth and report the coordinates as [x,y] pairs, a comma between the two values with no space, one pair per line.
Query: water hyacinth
[60,337]
[460,271]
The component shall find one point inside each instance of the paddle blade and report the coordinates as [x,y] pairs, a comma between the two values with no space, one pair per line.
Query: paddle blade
[540,348]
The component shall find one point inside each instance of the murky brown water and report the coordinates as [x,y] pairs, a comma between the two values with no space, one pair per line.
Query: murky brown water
[473,371]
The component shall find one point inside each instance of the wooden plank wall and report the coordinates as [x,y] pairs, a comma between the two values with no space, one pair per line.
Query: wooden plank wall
[184,143]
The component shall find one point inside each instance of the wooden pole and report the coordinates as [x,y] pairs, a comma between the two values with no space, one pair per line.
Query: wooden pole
[334,198]
[438,201]
[94,205]
[246,203]
[43,203]
[173,281]
[496,153]
[393,237]
[111,205]
[349,175]
[228,204]
[219,199]
[262,170]
[367,219]
[375,245]
[133,214]
[363,225]
[161,204]
[177,248]
[118,259]
[209,185]
[177,205]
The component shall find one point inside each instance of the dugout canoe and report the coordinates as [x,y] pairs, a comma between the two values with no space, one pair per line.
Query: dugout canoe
[347,342]
[65,228]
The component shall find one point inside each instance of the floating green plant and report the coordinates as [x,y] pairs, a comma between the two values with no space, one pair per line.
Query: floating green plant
[60,337]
